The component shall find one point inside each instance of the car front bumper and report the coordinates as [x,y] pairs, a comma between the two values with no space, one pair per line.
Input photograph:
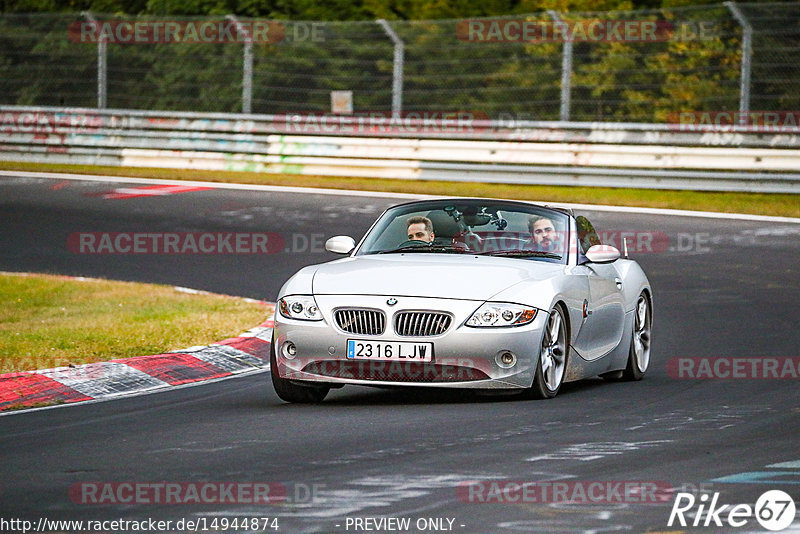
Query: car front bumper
[463,356]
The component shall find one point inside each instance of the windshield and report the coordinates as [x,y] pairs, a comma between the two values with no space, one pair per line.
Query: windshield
[478,227]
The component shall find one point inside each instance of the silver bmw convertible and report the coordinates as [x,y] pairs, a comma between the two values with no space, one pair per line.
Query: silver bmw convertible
[491,295]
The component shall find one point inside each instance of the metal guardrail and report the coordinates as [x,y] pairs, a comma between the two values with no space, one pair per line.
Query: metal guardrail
[464,125]
[458,149]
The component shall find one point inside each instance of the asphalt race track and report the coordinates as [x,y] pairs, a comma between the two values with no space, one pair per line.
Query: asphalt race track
[724,290]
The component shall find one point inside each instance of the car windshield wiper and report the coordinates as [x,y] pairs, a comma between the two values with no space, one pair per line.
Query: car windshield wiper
[521,253]
[423,248]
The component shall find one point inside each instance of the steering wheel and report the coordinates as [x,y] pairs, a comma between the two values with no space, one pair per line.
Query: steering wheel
[414,243]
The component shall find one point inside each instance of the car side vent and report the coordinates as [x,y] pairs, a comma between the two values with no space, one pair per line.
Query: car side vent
[421,323]
[361,321]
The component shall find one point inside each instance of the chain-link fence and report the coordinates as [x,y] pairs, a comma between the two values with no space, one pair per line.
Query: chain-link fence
[634,66]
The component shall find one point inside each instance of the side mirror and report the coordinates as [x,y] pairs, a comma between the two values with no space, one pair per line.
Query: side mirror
[340,244]
[602,254]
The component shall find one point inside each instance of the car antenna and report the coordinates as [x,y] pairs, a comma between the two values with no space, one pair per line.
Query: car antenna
[625,247]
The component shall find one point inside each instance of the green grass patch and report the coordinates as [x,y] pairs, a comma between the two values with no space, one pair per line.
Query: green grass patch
[50,321]
[787,205]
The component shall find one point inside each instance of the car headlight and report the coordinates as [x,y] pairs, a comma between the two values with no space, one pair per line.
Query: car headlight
[501,314]
[301,307]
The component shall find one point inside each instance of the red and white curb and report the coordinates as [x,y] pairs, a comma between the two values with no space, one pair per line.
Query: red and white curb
[246,353]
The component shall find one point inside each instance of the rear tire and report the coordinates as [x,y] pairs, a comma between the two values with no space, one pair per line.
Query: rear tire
[639,355]
[290,391]
[553,355]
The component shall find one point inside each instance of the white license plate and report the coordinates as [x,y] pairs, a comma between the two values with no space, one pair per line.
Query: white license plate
[358,349]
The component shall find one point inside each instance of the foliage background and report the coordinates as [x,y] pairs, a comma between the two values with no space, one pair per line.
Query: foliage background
[611,81]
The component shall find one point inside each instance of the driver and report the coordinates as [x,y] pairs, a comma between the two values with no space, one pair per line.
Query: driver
[543,235]
[420,229]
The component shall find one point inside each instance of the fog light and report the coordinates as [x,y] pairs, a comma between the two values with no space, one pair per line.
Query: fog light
[289,350]
[506,359]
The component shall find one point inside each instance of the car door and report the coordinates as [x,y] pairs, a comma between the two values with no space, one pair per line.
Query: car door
[605,309]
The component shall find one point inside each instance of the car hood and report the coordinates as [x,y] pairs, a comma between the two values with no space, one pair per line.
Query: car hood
[428,275]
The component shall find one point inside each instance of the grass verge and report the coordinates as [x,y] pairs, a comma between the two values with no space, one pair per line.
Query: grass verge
[50,321]
[786,205]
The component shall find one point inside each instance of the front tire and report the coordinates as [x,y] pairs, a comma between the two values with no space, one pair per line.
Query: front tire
[289,391]
[553,355]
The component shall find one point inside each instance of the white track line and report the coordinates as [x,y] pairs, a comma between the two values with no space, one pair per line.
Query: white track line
[213,185]
[379,194]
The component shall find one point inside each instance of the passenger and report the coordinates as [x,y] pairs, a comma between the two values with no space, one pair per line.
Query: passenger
[544,235]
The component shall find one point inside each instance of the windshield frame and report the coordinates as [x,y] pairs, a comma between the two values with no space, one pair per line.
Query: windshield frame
[564,216]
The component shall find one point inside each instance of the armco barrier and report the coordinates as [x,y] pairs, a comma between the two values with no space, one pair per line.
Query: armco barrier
[460,149]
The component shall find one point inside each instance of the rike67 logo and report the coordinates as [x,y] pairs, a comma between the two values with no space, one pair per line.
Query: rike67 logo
[774,510]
